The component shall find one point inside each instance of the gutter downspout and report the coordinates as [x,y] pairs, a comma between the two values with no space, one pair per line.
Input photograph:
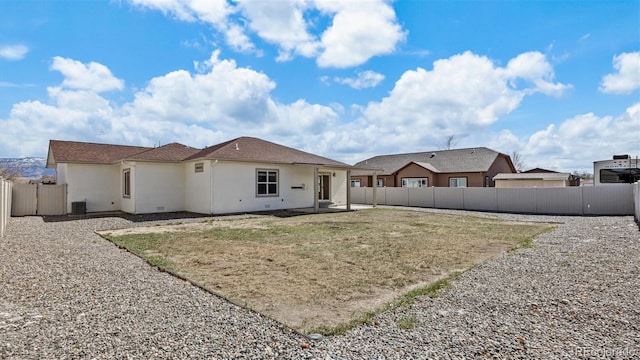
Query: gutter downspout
[348,190]
[211,185]
[316,201]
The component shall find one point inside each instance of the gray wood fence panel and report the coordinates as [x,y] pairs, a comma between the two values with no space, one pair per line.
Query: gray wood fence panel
[608,200]
[382,200]
[5,204]
[396,196]
[636,200]
[517,200]
[560,201]
[449,198]
[358,195]
[482,199]
[52,199]
[24,200]
[584,200]
[421,197]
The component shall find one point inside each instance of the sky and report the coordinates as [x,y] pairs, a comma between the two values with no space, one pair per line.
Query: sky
[557,82]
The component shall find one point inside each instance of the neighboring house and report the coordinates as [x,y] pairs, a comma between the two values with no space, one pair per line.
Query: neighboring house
[535,179]
[241,175]
[473,167]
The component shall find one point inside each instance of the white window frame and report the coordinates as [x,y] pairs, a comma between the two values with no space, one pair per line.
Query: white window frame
[458,182]
[267,182]
[380,182]
[126,183]
[354,182]
[415,182]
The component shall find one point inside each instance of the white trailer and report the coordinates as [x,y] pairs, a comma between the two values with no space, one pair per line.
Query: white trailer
[622,169]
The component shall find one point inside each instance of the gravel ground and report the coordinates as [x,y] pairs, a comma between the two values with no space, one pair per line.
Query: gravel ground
[67,293]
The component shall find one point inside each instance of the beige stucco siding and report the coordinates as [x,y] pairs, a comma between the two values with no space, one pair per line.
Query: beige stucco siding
[98,185]
[158,187]
[414,171]
[234,185]
[198,187]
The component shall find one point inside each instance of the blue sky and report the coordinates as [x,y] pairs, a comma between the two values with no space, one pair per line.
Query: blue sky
[556,81]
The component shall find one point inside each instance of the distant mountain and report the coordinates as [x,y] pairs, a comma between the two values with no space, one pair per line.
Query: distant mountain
[29,168]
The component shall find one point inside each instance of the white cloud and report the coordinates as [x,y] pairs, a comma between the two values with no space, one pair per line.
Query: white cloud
[363,79]
[92,76]
[627,78]
[359,31]
[281,23]
[13,52]
[460,94]
[582,139]
[292,26]
[211,11]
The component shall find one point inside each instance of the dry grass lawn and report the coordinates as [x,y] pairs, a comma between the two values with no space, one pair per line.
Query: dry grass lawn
[319,272]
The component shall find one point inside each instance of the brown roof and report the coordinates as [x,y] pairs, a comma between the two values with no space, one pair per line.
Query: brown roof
[82,152]
[169,152]
[258,150]
[477,159]
[240,149]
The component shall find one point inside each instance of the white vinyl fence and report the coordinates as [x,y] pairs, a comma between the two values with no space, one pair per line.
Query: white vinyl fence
[5,204]
[578,200]
[32,199]
[636,200]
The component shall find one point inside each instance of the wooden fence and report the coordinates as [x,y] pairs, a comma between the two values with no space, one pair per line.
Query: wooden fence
[5,204]
[578,200]
[32,199]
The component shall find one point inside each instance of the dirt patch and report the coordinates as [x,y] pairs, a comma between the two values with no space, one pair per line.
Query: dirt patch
[320,271]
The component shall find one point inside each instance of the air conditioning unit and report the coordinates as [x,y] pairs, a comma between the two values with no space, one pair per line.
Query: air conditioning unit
[78,207]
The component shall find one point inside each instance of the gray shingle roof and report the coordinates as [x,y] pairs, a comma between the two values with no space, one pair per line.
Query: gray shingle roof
[477,159]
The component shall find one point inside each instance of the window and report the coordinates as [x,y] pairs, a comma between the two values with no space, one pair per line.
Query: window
[266,182]
[415,182]
[380,182]
[126,183]
[486,182]
[198,167]
[628,176]
[458,182]
[355,183]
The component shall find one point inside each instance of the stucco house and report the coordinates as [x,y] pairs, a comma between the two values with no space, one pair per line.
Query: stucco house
[240,175]
[472,167]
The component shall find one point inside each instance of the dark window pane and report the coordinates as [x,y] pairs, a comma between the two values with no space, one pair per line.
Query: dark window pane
[262,189]
[273,177]
[273,189]
[262,176]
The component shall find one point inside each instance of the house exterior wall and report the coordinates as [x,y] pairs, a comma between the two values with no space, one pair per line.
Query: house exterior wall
[414,171]
[197,195]
[473,179]
[234,187]
[98,185]
[338,189]
[499,166]
[158,187]
[365,181]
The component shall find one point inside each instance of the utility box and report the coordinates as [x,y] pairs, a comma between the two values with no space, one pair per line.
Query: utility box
[78,207]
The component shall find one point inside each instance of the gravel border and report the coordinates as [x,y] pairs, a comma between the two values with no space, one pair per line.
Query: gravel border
[68,293]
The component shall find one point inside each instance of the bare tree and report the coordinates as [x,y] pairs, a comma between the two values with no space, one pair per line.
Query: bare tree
[450,142]
[516,158]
